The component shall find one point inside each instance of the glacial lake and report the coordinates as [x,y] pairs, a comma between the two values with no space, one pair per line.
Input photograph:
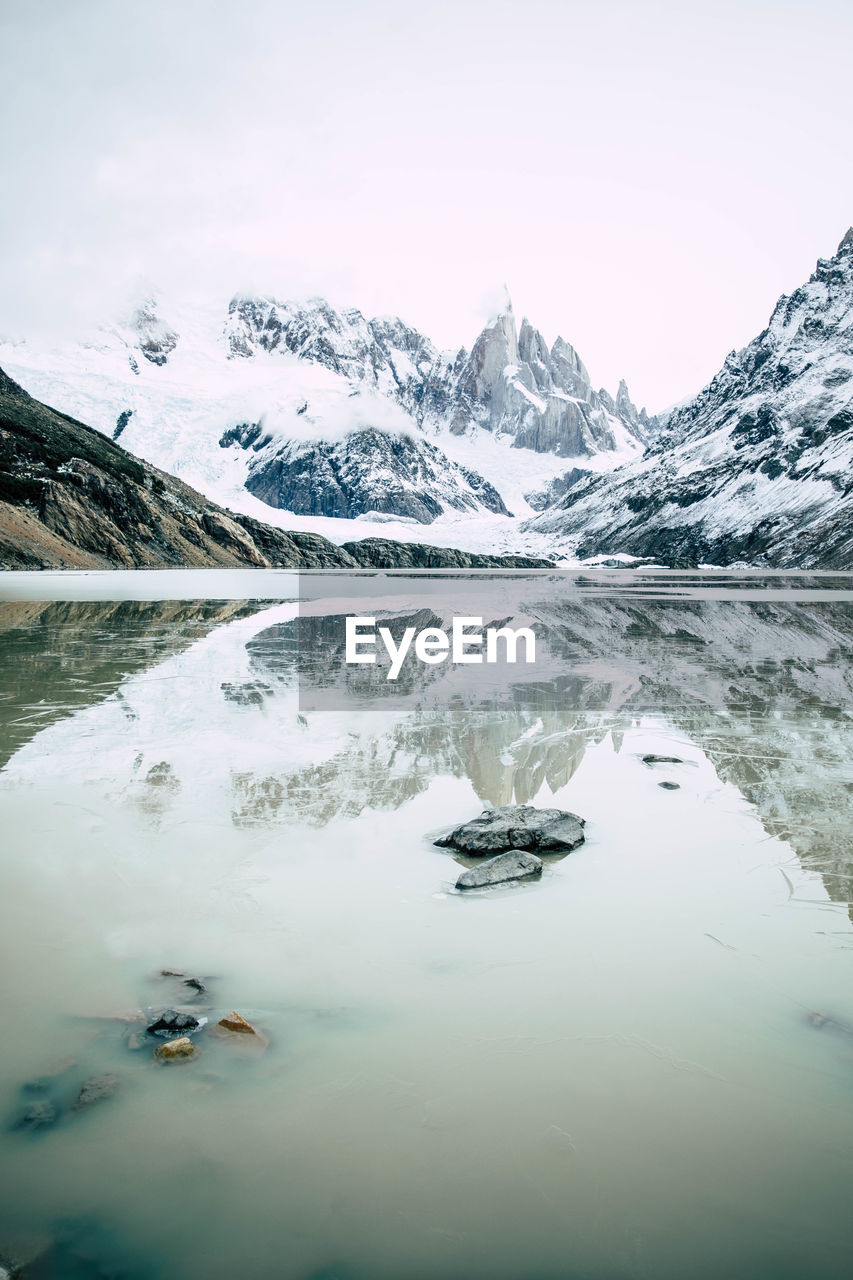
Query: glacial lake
[640,1065]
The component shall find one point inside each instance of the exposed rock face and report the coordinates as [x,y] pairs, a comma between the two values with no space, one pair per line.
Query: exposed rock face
[514,865]
[369,470]
[548,496]
[542,397]
[510,382]
[156,341]
[758,468]
[517,827]
[383,354]
[71,498]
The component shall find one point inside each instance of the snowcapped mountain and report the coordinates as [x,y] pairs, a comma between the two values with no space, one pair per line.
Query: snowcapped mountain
[758,468]
[510,383]
[297,413]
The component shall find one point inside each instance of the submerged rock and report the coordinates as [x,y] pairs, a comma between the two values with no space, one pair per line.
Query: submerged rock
[514,865]
[41,1114]
[94,1090]
[517,827]
[176,1050]
[171,1023]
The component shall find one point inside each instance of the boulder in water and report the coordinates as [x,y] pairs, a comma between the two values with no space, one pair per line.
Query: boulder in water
[176,1050]
[236,1028]
[506,868]
[517,827]
[170,1022]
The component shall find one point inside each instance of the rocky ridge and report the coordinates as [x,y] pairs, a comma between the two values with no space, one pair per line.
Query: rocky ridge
[510,382]
[758,468]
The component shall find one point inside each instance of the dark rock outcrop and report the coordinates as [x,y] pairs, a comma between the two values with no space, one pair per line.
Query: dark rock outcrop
[517,827]
[171,1022]
[381,553]
[368,471]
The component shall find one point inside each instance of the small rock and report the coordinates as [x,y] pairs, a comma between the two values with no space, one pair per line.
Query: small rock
[177,1050]
[516,864]
[181,987]
[653,759]
[670,786]
[171,1023]
[517,827]
[236,1025]
[37,1115]
[94,1090]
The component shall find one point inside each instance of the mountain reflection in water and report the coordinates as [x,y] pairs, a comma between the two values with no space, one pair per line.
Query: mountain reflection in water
[637,1066]
[764,688]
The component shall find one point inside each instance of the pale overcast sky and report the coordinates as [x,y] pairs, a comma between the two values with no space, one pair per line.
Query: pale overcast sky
[646,177]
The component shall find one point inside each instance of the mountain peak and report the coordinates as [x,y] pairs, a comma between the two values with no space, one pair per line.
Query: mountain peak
[846,245]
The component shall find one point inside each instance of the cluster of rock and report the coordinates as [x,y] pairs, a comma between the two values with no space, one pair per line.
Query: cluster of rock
[61,1094]
[170,1034]
[515,836]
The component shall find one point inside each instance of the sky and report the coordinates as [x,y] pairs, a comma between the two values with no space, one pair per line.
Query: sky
[644,177]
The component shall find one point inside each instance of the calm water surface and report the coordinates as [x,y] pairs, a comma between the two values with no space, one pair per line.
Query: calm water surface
[640,1066]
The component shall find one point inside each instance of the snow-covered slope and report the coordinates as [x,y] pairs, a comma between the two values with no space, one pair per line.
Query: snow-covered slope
[758,468]
[307,417]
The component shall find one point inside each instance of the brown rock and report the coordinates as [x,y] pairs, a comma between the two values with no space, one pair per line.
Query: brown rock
[234,1025]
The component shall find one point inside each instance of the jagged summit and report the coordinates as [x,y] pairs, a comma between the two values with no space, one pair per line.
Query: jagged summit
[510,383]
[846,245]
